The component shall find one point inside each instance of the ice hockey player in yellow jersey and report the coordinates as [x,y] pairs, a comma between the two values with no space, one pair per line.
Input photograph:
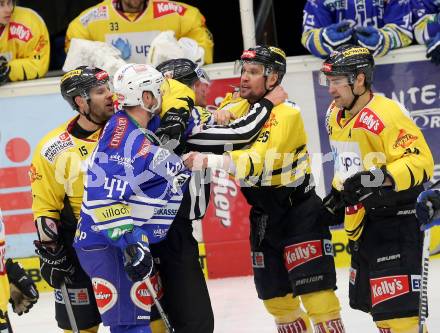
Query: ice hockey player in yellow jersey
[292,256]
[381,161]
[131,26]
[57,184]
[24,43]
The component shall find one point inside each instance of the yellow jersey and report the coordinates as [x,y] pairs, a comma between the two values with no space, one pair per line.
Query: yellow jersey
[381,134]
[57,171]
[272,160]
[24,42]
[132,34]
[4,283]
[177,95]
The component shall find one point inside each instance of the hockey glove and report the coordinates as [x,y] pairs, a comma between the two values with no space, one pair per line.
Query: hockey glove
[433,49]
[55,265]
[4,70]
[370,38]
[333,209]
[172,127]
[428,209]
[337,34]
[24,293]
[138,261]
[364,187]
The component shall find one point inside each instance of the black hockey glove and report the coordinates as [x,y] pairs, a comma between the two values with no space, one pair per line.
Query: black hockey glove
[428,208]
[4,70]
[333,209]
[55,265]
[24,293]
[138,262]
[365,187]
[433,49]
[172,127]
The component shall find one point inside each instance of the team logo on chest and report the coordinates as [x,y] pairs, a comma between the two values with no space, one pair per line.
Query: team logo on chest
[369,121]
[162,8]
[19,31]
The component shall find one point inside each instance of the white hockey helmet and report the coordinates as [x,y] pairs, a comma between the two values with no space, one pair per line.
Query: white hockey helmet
[131,80]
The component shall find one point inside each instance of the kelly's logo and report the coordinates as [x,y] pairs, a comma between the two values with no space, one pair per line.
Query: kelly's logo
[386,288]
[161,8]
[368,120]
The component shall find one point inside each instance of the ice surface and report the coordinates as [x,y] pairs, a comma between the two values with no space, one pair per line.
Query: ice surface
[238,310]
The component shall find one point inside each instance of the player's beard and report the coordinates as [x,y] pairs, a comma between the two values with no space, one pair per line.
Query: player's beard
[100,114]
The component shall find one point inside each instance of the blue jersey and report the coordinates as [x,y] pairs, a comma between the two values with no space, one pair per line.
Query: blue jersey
[426,18]
[131,183]
[392,17]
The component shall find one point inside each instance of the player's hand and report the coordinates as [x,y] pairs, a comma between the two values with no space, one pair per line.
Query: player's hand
[195,161]
[55,265]
[223,117]
[277,95]
[172,127]
[428,208]
[24,293]
[4,70]
[337,34]
[433,49]
[364,187]
[138,261]
[370,38]
[333,208]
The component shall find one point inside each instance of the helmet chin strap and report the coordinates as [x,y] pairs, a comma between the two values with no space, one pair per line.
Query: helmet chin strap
[355,98]
[152,110]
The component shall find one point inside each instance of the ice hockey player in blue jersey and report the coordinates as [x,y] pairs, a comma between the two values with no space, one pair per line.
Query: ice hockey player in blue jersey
[380,26]
[426,21]
[132,194]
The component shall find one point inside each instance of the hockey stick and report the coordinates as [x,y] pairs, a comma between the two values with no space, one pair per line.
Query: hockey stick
[69,308]
[423,298]
[162,313]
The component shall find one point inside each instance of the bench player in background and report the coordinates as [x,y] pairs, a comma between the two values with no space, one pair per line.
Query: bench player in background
[380,26]
[24,43]
[132,25]
[426,21]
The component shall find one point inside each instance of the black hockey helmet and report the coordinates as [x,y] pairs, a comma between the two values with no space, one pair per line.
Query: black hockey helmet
[350,60]
[273,59]
[183,70]
[79,81]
